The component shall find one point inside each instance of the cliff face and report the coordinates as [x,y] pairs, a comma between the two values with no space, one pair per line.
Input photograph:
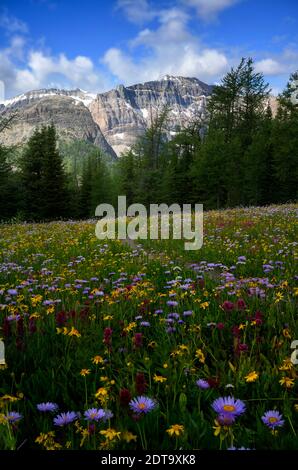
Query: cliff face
[125,112]
[66,109]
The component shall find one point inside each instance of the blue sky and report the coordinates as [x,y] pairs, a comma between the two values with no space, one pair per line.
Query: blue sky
[96,45]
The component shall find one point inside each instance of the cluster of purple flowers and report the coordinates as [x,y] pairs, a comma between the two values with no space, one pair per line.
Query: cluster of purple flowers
[13,417]
[63,419]
[95,414]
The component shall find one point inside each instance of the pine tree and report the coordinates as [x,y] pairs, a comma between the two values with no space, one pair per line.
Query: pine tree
[236,110]
[43,177]
[285,143]
[55,195]
[7,194]
[32,177]
[209,172]
[126,176]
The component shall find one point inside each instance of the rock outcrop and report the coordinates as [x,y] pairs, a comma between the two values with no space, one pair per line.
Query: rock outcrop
[66,109]
[125,112]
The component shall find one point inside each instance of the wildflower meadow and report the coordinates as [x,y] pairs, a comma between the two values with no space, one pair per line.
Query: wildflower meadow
[113,346]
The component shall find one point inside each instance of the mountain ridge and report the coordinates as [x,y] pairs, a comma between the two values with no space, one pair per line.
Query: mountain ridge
[112,120]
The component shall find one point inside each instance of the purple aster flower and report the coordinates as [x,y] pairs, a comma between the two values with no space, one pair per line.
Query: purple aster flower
[239,448]
[108,415]
[158,311]
[273,419]
[202,384]
[142,405]
[65,418]
[48,406]
[187,313]
[145,323]
[94,414]
[13,417]
[172,303]
[170,329]
[13,317]
[174,315]
[228,406]
[225,419]
[12,292]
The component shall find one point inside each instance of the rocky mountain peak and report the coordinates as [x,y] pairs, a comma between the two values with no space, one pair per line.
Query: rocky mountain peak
[112,120]
[124,113]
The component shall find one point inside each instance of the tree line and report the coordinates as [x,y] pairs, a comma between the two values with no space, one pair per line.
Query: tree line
[241,155]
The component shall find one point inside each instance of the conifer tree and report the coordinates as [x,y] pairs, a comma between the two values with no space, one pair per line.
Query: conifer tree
[285,143]
[54,189]
[43,178]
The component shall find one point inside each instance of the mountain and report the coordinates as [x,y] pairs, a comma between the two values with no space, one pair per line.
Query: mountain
[125,112]
[66,109]
[112,120]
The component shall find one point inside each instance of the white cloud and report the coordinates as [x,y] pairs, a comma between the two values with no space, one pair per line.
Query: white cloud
[21,71]
[137,11]
[170,49]
[12,24]
[269,67]
[209,9]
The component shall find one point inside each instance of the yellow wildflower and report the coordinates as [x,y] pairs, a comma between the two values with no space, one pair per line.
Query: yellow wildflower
[217,428]
[85,372]
[97,360]
[286,365]
[287,382]
[204,305]
[47,441]
[110,434]
[36,300]
[200,355]
[252,376]
[278,297]
[159,378]
[286,333]
[9,398]
[102,395]
[175,430]
[127,436]
[130,327]
[74,332]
